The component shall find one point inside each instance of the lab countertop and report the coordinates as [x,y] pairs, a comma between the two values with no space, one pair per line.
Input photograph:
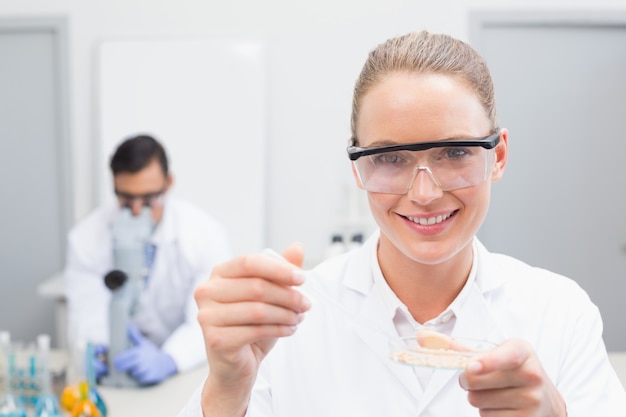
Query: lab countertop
[163,400]
[618,360]
[53,287]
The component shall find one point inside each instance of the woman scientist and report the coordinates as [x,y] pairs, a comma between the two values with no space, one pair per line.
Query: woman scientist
[426,147]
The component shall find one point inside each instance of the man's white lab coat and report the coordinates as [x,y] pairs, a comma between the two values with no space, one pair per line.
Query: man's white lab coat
[337,363]
[188,244]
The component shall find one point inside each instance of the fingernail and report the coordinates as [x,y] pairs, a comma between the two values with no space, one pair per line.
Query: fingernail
[463,381]
[298,276]
[299,317]
[306,303]
[474,367]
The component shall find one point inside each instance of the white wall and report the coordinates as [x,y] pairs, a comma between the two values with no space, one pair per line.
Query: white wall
[315,53]
[193,94]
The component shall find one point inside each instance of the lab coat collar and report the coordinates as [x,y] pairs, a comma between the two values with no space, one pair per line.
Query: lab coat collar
[358,275]
[474,319]
[487,277]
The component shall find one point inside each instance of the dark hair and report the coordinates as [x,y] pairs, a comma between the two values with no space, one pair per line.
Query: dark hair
[136,153]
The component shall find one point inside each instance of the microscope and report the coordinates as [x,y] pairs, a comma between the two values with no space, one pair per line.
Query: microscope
[130,235]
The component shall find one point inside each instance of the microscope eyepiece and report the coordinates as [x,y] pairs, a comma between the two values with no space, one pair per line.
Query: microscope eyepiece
[115,279]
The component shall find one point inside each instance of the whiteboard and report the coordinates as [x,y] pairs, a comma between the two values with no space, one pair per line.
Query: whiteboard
[205,101]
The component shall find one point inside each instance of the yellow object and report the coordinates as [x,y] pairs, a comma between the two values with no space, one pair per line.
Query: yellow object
[69,397]
[84,407]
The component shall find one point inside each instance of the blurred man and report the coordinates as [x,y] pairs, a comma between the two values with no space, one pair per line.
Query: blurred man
[184,245]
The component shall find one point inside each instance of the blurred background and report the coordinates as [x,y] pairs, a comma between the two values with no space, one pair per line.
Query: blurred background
[252,101]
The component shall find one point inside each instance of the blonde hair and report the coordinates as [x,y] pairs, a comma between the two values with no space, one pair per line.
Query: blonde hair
[426,53]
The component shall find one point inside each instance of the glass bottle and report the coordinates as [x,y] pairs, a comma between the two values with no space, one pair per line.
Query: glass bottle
[10,403]
[336,246]
[94,395]
[71,395]
[47,404]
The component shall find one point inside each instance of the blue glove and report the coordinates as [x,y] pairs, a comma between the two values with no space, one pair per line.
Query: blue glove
[144,361]
[99,361]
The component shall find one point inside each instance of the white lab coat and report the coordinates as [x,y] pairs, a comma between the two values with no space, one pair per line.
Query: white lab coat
[188,244]
[337,363]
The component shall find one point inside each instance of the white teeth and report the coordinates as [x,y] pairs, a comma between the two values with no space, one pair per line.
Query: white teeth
[430,220]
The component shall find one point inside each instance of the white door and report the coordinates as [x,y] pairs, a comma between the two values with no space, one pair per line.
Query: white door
[561,90]
[34,191]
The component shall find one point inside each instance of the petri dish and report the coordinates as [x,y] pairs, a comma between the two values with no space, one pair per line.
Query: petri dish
[439,352]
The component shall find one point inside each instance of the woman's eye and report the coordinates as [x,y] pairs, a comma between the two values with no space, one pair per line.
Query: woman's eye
[454,153]
[391,158]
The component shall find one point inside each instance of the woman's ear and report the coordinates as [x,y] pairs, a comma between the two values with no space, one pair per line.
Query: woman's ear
[169,181]
[502,155]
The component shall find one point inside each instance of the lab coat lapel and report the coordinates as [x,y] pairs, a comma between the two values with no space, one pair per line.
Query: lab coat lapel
[374,329]
[377,337]
[473,321]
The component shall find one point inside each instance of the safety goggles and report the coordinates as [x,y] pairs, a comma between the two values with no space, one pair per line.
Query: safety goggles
[147,200]
[451,164]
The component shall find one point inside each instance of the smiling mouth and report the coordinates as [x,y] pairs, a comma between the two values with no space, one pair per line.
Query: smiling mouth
[428,221]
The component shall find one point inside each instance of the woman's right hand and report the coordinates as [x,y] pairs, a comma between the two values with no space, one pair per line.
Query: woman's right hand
[244,307]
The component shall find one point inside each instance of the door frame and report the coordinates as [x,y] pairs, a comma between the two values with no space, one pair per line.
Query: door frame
[485,19]
[58,26]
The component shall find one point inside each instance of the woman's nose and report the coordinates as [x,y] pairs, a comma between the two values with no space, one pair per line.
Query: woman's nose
[424,188]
